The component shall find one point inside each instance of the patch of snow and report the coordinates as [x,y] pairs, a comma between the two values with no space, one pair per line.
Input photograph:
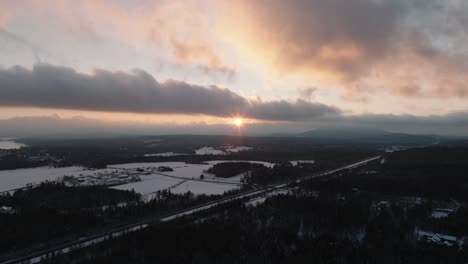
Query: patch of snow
[152,140]
[14,179]
[165,154]
[8,144]
[209,151]
[149,184]
[441,213]
[259,200]
[197,187]
[296,162]
[264,163]
[237,149]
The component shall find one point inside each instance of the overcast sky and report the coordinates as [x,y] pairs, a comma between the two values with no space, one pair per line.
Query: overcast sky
[192,66]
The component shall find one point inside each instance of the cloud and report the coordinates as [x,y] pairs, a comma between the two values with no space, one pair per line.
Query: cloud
[338,36]
[202,54]
[179,31]
[307,92]
[407,48]
[49,86]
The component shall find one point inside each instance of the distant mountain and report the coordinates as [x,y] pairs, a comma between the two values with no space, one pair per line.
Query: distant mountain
[367,136]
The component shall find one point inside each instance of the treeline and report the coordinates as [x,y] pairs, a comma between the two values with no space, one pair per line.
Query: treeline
[230,169]
[283,172]
[14,161]
[328,228]
[434,173]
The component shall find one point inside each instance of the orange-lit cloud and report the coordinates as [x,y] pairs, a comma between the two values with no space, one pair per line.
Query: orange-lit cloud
[362,46]
[178,30]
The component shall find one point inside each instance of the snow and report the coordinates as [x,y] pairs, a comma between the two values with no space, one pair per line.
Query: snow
[209,151]
[164,154]
[149,184]
[8,144]
[295,162]
[152,140]
[441,213]
[237,149]
[172,164]
[198,187]
[185,170]
[13,179]
[153,183]
[264,163]
[259,200]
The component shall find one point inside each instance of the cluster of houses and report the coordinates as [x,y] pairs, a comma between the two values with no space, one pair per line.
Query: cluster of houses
[104,179]
[6,210]
[112,178]
[441,239]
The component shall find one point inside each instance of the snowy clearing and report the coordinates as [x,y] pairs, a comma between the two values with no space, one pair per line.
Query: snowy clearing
[295,162]
[165,154]
[209,151]
[237,149]
[149,184]
[8,144]
[13,179]
[198,187]
[259,200]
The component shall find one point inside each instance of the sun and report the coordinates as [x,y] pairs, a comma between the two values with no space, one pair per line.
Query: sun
[238,121]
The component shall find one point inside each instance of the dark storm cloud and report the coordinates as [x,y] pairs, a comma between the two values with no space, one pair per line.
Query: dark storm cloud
[50,86]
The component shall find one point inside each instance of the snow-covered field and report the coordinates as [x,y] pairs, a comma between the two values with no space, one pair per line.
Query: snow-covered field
[198,187]
[185,177]
[149,184]
[209,151]
[182,169]
[9,144]
[224,150]
[237,149]
[295,162]
[164,154]
[13,179]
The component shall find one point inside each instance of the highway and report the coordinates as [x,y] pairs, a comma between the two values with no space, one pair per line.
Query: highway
[117,232]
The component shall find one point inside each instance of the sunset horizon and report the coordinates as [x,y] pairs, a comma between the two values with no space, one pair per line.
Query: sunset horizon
[396,65]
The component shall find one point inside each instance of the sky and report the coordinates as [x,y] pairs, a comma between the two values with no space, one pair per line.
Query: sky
[193,66]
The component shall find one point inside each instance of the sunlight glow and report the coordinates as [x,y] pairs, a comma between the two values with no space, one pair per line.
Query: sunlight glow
[238,121]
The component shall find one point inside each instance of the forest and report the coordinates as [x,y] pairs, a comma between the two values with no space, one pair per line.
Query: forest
[53,212]
[293,228]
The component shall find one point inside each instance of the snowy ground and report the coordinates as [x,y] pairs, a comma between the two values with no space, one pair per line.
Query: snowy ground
[149,184]
[209,151]
[259,200]
[237,149]
[9,144]
[224,150]
[189,178]
[165,154]
[185,177]
[13,179]
[295,162]
[198,187]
